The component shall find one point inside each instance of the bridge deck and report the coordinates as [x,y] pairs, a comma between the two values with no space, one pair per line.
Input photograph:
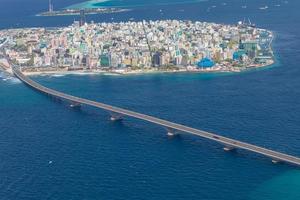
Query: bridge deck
[220,139]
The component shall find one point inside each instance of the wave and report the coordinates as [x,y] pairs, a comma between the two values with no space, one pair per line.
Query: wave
[58,75]
[5,77]
[12,80]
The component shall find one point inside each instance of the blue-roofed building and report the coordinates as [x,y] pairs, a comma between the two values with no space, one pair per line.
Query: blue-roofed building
[43,45]
[206,63]
[238,54]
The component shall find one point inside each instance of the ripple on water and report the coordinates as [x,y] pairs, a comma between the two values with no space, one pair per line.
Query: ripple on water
[10,80]
[5,77]
[285,186]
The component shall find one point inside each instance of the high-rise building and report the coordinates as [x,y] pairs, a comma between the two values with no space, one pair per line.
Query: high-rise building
[82,17]
[105,60]
[156,59]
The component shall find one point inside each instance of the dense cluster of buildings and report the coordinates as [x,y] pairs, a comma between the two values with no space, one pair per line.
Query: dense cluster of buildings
[164,45]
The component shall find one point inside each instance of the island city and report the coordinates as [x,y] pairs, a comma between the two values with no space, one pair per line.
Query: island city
[139,47]
[149,100]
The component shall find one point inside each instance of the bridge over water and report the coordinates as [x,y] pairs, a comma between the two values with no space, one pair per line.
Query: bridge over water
[117,113]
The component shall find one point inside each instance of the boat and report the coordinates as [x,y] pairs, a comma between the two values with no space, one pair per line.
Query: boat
[264,7]
[246,24]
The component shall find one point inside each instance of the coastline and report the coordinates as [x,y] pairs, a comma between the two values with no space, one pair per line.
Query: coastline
[140,72]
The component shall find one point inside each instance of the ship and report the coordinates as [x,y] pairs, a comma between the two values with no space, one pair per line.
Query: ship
[264,7]
[244,23]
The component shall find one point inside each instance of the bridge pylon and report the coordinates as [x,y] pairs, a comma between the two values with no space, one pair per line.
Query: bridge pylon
[116,117]
[171,132]
[229,148]
[75,105]
[275,161]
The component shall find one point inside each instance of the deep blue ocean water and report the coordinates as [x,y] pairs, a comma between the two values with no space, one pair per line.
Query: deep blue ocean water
[49,151]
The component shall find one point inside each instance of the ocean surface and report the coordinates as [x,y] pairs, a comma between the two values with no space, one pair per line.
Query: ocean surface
[50,151]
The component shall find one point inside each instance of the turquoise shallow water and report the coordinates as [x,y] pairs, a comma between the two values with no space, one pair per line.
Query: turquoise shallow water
[130,3]
[92,158]
[284,186]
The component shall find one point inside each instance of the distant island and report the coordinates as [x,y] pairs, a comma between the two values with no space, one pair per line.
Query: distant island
[86,11]
[139,47]
[78,11]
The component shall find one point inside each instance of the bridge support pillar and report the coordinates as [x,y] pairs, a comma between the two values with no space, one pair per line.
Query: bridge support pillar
[75,105]
[229,148]
[275,161]
[171,132]
[116,117]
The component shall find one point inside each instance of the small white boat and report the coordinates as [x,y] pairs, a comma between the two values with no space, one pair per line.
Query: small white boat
[264,7]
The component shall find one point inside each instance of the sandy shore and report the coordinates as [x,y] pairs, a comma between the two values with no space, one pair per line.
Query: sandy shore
[36,73]
[216,69]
